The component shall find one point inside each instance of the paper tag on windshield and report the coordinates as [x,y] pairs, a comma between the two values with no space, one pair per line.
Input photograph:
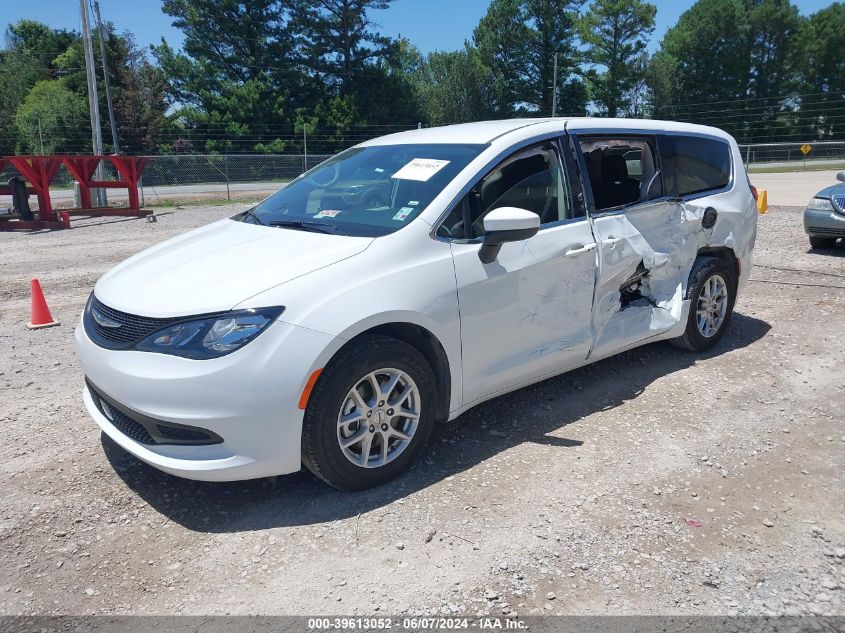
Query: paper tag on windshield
[420,169]
[327,213]
[403,213]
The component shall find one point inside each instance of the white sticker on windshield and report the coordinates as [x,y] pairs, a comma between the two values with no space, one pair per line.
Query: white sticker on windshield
[403,213]
[420,169]
[327,213]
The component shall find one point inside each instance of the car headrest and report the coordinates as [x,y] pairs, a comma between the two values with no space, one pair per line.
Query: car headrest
[614,168]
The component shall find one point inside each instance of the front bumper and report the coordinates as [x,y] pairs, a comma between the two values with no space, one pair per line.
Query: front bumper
[248,398]
[824,223]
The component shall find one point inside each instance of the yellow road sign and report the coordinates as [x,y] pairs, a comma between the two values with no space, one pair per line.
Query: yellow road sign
[806,149]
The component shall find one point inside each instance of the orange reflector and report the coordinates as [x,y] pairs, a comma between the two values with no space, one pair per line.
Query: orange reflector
[306,393]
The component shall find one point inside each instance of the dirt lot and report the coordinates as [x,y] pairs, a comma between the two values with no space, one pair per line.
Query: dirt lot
[583,494]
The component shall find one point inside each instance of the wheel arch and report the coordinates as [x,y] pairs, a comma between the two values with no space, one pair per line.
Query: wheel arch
[422,339]
[725,255]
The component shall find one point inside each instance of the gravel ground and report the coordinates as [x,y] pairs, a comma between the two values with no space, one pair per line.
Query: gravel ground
[656,482]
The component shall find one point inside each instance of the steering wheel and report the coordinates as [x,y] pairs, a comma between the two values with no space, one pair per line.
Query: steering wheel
[326,185]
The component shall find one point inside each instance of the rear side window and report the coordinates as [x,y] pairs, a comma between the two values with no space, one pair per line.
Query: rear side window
[622,171]
[694,164]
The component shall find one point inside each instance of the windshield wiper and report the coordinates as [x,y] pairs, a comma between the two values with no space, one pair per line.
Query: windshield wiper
[304,225]
[250,213]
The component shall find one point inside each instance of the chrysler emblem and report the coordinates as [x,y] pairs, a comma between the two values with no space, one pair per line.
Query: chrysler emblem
[103,320]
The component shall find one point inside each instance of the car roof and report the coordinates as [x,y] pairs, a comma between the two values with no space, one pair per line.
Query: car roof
[479,132]
[484,132]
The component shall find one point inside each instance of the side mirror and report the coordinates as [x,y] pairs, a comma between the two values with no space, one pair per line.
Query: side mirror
[506,224]
[841,176]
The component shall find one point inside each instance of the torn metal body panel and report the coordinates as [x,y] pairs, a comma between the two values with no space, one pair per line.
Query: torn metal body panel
[667,238]
[610,269]
[654,245]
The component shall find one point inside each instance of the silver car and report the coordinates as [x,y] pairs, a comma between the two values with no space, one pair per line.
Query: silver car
[824,217]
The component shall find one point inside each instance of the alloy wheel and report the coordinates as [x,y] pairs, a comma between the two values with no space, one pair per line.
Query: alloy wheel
[712,305]
[378,418]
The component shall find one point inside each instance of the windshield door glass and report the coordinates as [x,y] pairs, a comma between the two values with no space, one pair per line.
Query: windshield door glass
[366,191]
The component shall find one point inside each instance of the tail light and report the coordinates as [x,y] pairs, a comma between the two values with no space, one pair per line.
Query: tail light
[754,192]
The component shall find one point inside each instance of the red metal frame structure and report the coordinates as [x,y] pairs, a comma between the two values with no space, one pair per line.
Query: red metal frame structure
[39,171]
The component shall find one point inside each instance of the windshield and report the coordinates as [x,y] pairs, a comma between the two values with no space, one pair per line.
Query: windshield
[365,191]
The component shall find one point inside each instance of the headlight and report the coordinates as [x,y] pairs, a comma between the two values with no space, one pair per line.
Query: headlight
[820,204]
[212,336]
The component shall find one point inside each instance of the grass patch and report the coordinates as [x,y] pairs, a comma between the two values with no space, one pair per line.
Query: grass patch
[171,203]
[781,169]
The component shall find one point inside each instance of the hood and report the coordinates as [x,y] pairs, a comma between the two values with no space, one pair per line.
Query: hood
[827,192]
[214,268]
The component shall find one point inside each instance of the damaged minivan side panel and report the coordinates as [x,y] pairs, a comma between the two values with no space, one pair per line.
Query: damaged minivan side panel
[655,206]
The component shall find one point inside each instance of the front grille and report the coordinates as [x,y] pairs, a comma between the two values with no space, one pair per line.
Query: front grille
[125,329]
[823,230]
[146,430]
[120,420]
[839,201]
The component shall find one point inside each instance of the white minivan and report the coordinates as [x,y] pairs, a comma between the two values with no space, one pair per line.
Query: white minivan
[408,279]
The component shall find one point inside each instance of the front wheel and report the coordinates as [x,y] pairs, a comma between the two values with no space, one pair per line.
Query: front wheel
[370,413]
[712,292]
[822,242]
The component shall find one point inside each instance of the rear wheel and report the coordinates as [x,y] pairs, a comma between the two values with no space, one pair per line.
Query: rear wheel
[370,413]
[712,292]
[822,242]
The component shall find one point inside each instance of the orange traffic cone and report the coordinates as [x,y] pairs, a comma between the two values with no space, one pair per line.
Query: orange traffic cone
[41,316]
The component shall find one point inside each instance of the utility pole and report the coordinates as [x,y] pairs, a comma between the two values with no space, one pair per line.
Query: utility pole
[100,30]
[305,145]
[554,89]
[40,137]
[93,105]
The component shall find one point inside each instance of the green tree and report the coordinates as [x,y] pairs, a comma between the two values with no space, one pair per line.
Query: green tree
[32,54]
[39,41]
[663,80]
[339,41]
[615,33]
[553,28]
[335,117]
[455,87]
[518,41]
[18,73]
[819,74]
[502,41]
[141,101]
[773,26]
[710,46]
[235,73]
[51,120]
[387,96]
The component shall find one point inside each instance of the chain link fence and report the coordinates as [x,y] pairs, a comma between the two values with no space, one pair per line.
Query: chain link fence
[230,177]
[818,154]
[215,178]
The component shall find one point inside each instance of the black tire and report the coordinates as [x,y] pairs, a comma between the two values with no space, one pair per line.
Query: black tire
[703,269]
[321,453]
[822,242]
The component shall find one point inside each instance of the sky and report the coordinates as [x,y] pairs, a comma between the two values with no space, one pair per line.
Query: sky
[430,24]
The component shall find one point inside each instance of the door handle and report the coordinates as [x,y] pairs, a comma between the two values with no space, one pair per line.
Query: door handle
[611,241]
[580,251]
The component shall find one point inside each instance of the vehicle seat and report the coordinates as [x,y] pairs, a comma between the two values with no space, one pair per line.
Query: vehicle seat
[616,188]
[513,183]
